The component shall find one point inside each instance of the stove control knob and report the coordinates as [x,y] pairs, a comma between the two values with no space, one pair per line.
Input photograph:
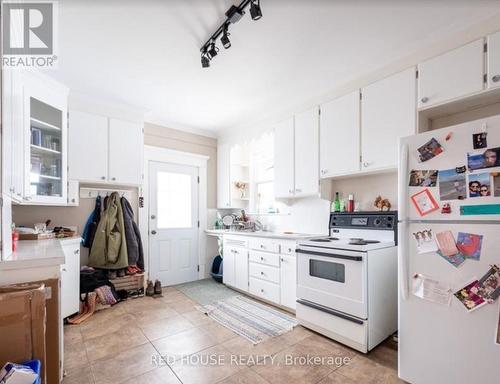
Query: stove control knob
[377,222]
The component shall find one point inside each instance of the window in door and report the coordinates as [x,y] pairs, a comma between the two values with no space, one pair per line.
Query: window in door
[174,200]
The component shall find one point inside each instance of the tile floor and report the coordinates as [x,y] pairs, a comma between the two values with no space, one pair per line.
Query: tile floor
[120,345]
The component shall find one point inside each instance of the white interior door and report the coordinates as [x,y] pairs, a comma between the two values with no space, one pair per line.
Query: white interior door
[173,222]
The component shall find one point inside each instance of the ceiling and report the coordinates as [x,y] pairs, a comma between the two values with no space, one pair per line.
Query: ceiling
[146,53]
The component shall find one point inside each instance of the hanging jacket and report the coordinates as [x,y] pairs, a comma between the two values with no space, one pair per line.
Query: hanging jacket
[92,223]
[133,236]
[109,249]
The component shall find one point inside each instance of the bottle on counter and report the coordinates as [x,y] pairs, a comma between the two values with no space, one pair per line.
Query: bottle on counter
[336,203]
[350,203]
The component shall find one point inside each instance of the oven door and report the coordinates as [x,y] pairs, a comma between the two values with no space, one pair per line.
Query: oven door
[333,278]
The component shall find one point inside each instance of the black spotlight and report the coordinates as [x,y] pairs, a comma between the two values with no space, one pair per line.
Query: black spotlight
[226,43]
[255,10]
[205,61]
[212,50]
[234,14]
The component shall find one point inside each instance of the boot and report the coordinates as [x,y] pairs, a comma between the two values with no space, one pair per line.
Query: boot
[150,290]
[158,290]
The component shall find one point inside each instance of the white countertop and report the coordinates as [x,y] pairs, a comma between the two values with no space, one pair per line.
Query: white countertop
[38,253]
[273,235]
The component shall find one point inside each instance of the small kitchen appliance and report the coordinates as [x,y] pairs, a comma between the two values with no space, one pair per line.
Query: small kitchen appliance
[347,281]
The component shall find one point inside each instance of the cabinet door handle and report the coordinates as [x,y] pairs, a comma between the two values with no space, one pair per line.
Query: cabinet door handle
[424,99]
[298,190]
[64,270]
[262,273]
[113,178]
[73,200]
[77,251]
[496,78]
[153,232]
[282,259]
[103,177]
[366,164]
[261,259]
[262,290]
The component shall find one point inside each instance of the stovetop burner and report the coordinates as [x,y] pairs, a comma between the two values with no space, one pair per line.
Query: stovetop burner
[321,240]
[358,241]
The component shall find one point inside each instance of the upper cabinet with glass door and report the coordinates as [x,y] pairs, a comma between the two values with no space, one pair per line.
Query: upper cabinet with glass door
[45,120]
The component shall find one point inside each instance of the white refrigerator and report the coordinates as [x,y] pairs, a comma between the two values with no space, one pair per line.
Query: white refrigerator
[438,343]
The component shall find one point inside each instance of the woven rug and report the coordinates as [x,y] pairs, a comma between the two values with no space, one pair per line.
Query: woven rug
[206,291]
[250,319]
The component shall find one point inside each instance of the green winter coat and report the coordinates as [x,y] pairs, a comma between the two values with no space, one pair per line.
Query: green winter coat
[109,249]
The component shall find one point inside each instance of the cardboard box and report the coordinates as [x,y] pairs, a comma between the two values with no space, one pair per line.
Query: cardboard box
[22,324]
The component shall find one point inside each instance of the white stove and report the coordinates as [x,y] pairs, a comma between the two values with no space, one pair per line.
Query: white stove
[347,282]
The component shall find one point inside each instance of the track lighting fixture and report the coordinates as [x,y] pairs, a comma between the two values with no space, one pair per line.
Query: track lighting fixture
[212,50]
[205,61]
[233,14]
[226,43]
[255,10]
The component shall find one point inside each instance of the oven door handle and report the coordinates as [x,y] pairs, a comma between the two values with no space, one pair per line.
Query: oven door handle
[330,311]
[332,255]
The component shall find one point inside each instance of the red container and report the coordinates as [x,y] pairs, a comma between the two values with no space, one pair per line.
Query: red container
[15,239]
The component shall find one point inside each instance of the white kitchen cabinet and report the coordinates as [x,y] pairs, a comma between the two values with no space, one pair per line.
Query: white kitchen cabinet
[70,278]
[126,143]
[388,112]
[105,150]
[223,176]
[88,140]
[288,281]
[284,163]
[45,106]
[241,268]
[493,71]
[339,136]
[228,267]
[452,75]
[307,152]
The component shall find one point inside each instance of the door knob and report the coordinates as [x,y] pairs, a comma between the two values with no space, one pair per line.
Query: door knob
[496,78]
[153,232]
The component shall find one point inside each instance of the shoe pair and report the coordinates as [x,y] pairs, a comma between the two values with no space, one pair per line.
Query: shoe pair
[133,269]
[154,290]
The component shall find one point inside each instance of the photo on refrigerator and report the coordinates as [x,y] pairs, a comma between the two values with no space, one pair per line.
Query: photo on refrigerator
[479,185]
[452,185]
[470,300]
[487,159]
[496,184]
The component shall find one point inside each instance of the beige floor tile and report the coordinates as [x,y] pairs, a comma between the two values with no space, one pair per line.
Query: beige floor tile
[147,316]
[183,343]
[166,327]
[82,375]
[206,367]
[115,342]
[337,378]
[288,368]
[244,376]
[270,347]
[162,375]
[197,317]
[385,354]
[141,303]
[363,370]
[183,305]
[106,325]
[75,356]
[218,332]
[124,365]
[72,335]
[174,296]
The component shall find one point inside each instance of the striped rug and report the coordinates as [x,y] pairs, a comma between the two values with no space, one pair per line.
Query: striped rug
[250,319]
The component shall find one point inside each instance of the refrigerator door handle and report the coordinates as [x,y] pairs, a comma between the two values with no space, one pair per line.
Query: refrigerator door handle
[403,252]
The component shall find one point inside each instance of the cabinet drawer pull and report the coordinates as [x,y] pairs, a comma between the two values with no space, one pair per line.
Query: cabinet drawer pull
[282,259]
[103,177]
[261,258]
[496,78]
[262,290]
[262,273]
[113,178]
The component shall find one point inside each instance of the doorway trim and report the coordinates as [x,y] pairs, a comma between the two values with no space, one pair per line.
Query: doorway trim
[166,155]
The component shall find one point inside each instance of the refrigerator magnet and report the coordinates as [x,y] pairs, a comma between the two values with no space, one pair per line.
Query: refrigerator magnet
[424,202]
[468,298]
[479,140]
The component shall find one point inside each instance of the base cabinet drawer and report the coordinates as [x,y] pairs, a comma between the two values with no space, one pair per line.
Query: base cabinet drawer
[265,272]
[265,289]
[266,245]
[264,258]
